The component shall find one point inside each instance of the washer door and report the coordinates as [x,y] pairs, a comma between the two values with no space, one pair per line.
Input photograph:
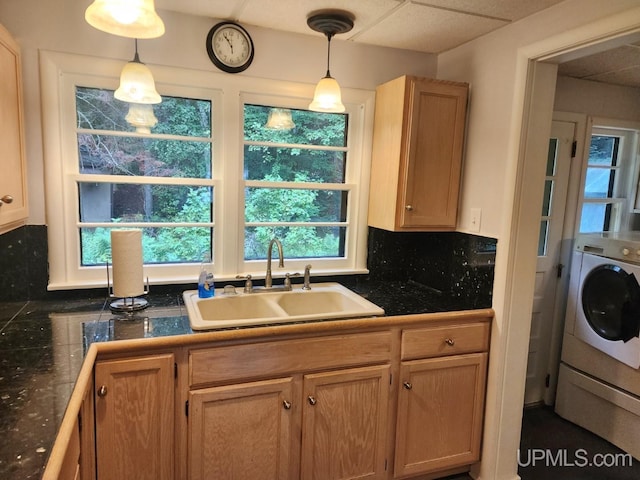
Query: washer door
[611,303]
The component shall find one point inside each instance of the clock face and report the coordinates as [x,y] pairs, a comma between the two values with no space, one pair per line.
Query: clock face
[230,47]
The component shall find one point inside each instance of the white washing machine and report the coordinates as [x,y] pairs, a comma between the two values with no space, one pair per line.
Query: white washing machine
[599,378]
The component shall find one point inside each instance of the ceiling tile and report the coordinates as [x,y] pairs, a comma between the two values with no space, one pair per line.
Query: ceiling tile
[427,29]
[292,15]
[603,62]
[507,10]
[629,77]
[206,8]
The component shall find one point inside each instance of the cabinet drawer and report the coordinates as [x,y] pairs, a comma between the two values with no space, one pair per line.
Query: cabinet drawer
[235,362]
[445,340]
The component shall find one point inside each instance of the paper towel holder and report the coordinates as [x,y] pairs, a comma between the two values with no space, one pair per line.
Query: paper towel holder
[126,304]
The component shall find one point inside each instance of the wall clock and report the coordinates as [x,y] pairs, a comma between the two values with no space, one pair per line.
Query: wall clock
[230,47]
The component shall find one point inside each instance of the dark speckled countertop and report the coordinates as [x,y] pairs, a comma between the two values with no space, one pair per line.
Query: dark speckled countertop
[42,345]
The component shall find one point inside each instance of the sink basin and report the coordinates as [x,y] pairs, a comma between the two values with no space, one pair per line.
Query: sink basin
[324,301]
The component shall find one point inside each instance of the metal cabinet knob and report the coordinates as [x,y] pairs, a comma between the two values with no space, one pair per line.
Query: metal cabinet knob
[450,341]
[312,400]
[6,199]
[102,391]
[286,405]
[407,385]
[408,208]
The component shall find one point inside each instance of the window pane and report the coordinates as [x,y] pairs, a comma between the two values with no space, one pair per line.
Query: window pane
[310,128]
[599,183]
[115,202]
[297,242]
[551,157]
[542,238]
[294,205]
[159,245]
[116,155]
[293,165]
[595,217]
[546,201]
[603,150]
[97,109]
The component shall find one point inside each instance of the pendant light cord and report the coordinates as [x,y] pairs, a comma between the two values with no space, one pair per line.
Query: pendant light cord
[329,35]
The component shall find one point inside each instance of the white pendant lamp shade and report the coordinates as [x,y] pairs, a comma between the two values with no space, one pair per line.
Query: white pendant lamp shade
[280,119]
[137,84]
[141,116]
[327,97]
[127,18]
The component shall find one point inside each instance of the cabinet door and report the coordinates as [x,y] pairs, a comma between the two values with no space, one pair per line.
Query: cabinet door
[242,431]
[13,196]
[440,411]
[431,174]
[344,424]
[134,412]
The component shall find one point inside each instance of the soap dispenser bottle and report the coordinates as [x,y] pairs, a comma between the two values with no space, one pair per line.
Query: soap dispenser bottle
[206,288]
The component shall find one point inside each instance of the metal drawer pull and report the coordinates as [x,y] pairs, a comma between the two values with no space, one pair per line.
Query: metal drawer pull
[312,400]
[407,385]
[287,405]
[102,391]
[409,208]
[6,199]
[450,341]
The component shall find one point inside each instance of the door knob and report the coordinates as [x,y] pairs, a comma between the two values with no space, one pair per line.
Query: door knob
[286,405]
[407,385]
[102,391]
[408,208]
[312,400]
[6,199]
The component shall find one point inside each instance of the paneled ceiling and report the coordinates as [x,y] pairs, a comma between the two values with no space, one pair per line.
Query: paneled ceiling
[430,26]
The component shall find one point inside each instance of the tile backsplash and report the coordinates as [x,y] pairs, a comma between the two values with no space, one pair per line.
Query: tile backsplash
[453,263]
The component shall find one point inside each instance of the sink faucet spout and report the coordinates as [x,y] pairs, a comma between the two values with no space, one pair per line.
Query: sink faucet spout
[268,279]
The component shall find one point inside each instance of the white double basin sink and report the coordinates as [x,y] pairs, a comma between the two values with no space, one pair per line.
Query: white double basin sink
[323,302]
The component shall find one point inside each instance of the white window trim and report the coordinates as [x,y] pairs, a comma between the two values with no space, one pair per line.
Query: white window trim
[59,74]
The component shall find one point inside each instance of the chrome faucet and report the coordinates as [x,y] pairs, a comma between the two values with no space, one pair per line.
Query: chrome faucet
[268,280]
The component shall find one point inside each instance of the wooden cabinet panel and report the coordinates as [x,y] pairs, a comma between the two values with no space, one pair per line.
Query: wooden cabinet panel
[134,410]
[440,413]
[344,424]
[445,340]
[416,158]
[269,359]
[13,179]
[242,431]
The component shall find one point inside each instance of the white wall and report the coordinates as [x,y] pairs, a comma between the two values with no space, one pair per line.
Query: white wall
[59,25]
[597,99]
[496,179]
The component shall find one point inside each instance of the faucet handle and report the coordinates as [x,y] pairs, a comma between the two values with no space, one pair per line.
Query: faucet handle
[248,284]
[287,279]
[307,278]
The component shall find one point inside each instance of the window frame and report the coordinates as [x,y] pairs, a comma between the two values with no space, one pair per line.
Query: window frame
[61,72]
[626,176]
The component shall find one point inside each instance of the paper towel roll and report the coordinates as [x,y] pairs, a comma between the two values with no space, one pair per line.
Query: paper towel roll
[126,258]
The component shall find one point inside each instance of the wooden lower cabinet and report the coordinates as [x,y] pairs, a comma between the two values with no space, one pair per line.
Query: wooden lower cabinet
[344,424]
[134,415]
[440,413]
[242,431]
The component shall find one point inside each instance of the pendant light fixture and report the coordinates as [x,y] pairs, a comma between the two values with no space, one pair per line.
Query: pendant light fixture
[280,119]
[136,83]
[327,97]
[127,18]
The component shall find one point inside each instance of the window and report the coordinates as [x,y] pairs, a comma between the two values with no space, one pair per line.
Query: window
[606,181]
[208,179]
[119,172]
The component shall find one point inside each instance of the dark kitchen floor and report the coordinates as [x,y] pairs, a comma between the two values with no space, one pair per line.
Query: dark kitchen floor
[549,439]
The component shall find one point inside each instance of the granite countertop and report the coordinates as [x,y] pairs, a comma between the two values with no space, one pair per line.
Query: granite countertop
[42,346]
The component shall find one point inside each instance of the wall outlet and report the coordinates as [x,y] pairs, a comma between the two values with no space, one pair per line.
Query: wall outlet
[476,217]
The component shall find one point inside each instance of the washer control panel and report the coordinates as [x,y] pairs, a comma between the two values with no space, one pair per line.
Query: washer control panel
[617,245]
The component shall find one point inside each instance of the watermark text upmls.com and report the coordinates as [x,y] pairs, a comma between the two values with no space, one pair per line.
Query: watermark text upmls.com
[580,458]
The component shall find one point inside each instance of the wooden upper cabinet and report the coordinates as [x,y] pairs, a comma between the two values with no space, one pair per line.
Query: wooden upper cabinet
[418,139]
[13,187]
